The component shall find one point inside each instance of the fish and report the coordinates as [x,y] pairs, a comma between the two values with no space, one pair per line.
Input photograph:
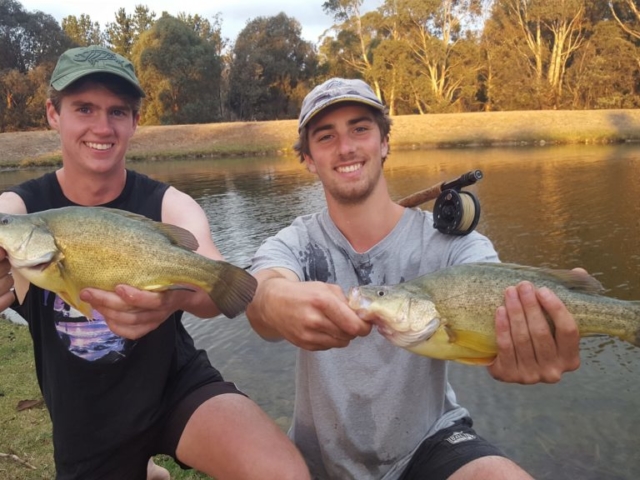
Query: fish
[450,314]
[64,250]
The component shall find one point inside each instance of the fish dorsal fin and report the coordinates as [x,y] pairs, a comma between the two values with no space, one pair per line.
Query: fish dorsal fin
[472,340]
[571,279]
[177,235]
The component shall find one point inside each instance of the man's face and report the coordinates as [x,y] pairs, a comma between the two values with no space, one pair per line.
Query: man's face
[95,127]
[346,152]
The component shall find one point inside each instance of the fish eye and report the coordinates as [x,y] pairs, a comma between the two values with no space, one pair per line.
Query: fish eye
[380,293]
[4,220]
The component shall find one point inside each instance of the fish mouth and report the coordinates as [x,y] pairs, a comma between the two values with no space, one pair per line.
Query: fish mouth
[409,338]
[402,338]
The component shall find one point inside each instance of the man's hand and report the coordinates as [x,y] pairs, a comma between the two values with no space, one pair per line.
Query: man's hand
[528,351]
[311,315]
[132,313]
[7,296]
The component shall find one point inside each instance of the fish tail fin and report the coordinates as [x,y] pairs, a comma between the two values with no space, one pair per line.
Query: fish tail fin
[234,290]
[634,336]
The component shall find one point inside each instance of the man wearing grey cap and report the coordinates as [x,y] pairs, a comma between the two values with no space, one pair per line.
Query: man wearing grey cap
[130,384]
[364,408]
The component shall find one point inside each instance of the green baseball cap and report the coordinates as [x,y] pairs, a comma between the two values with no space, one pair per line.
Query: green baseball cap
[76,63]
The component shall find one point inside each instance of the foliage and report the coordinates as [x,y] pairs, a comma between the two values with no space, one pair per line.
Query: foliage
[30,43]
[123,33]
[270,69]
[180,73]
[82,31]
[419,56]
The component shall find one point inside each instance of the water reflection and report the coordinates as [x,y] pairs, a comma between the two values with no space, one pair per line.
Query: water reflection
[553,206]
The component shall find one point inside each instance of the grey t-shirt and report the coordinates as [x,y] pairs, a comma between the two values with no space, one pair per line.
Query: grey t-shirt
[361,411]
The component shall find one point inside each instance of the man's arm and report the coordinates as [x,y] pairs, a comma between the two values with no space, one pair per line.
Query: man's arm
[311,315]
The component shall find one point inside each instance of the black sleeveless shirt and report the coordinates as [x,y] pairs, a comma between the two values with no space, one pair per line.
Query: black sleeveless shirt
[101,389]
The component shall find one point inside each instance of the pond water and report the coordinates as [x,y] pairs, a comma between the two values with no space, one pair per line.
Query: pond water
[559,207]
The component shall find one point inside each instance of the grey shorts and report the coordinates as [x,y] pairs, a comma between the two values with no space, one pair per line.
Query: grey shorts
[440,455]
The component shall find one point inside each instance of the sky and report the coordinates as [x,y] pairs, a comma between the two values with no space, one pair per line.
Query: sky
[234,13]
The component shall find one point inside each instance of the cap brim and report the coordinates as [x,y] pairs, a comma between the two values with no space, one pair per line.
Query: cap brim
[340,99]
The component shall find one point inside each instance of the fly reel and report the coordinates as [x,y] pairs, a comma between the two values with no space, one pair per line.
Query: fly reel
[456,212]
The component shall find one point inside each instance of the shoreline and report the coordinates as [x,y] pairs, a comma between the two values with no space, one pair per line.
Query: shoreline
[409,132]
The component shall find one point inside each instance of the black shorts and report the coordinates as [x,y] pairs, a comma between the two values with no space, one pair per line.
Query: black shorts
[440,455]
[129,461]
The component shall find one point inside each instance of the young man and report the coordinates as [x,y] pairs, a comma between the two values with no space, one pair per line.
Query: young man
[143,389]
[364,407]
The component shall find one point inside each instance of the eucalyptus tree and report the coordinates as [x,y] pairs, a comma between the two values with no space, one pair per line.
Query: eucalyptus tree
[352,42]
[271,69]
[125,30]
[83,31]
[444,48]
[547,35]
[606,73]
[627,15]
[180,73]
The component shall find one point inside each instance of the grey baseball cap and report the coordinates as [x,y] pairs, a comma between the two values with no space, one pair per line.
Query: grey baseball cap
[76,63]
[333,91]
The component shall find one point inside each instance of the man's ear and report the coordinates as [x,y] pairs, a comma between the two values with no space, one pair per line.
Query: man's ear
[136,121]
[52,115]
[310,164]
[384,148]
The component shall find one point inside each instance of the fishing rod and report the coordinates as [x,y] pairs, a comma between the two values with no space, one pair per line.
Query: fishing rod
[455,212]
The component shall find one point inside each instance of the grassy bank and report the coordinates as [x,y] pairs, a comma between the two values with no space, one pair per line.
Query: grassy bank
[23,149]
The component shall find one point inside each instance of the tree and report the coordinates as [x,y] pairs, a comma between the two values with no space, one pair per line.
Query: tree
[606,74]
[549,32]
[82,31]
[180,73]
[270,70]
[28,38]
[444,52]
[627,15]
[355,40]
[126,29]
[30,43]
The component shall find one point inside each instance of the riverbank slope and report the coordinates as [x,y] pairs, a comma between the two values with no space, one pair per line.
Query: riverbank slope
[37,148]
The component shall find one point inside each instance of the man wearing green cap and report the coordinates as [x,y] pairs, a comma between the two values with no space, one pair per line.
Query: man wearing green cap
[139,387]
[365,408]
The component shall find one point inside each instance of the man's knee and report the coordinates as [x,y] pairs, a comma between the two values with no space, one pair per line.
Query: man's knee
[490,468]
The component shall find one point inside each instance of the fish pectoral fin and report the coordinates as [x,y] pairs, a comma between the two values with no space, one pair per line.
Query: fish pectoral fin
[164,288]
[473,340]
[484,361]
[20,285]
[74,300]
